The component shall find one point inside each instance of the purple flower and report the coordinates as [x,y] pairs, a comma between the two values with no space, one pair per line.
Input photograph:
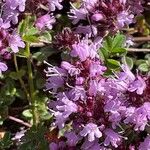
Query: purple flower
[112,105]
[80,80]
[54,83]
[53,4]
[19,135]
[3,67]
[77,93]
[4,24]
[72,138]
[139,117]
[15,42]
[80,50]
[12,9]
[92,131]
[124,18]
[96,69]
[92,145]
[45,21]
[56,78]
[123,1]
[20,4]
[59,119]
[146,144]
[97,17]
[86,30]
[72,70]
[90,4]
[135,6]
[115,118]
[112,138]
[54,146]
[77,14]
[138,85]
[127,74]
[68,107]
[10,15]
[93,87]
[64,108]
[83,50]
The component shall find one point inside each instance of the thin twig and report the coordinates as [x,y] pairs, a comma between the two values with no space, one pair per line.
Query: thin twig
[141,39]
[138,50]
[37,44]
[20,121]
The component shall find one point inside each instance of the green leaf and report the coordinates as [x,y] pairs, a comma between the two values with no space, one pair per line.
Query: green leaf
[140,61]
[27,113]
[44,53]
[113,64]
[147,56]
[143,67]
[22,27]
[128,61]
[40,83]
[118,41]
[42,106]
[113,47]
[30,38]
[105,52]
[13,75]
[45,37]
[107,45]
[17,75]
[118,50]
[32,31]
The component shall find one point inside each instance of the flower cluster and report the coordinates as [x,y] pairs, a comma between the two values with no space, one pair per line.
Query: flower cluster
[97,107]
[10,11]
[9,41]
[104,15]
[93,107]
[9,38]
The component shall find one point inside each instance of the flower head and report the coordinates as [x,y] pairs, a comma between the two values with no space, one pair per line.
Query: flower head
[45,21]
[92,131]
[15,42]
[112,138]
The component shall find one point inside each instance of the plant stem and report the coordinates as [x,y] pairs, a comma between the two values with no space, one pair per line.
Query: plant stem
[20,79]
[31,86]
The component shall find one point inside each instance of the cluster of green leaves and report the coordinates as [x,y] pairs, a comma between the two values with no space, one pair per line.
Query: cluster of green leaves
[8,93]
[30,33]
[112,49]
[12,90]
[144,64]
[34,139]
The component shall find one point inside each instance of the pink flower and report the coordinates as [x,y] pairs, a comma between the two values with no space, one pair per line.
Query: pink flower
[92,131]
[112,138]
[15,42]
[53,4]
[3,67]
[45,21]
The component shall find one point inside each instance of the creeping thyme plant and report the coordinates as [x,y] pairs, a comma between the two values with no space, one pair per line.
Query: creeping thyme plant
[74,74]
